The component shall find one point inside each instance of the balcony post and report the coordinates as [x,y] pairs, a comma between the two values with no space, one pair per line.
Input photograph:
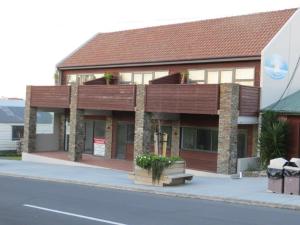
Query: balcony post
[30,119]
[228,128]
[76,140]
[108,137]
[142,134]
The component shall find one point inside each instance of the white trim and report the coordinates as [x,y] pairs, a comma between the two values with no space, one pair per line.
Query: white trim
[247,120]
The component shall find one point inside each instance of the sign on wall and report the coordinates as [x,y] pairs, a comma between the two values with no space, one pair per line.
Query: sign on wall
[276,67]
[99,146]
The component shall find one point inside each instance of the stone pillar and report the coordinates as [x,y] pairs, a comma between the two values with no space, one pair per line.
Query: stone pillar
[108,137]
[76,140]
[142,135]
[30,119]
[62,130]
[228,128]
[175,138]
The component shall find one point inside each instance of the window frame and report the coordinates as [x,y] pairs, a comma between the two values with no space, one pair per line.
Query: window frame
[142,73]
[12,132]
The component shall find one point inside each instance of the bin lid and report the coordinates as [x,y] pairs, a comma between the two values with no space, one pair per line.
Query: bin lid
[291,168]
[277,163]
[296,161]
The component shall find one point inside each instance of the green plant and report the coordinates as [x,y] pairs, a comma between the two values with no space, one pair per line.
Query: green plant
[155,163]
[273,137]
[108,76]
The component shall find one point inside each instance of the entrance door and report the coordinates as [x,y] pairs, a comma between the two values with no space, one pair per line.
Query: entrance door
[89,134]
[121,140]
[242,144]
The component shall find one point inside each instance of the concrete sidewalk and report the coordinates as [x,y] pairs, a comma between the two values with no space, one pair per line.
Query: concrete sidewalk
[245,190]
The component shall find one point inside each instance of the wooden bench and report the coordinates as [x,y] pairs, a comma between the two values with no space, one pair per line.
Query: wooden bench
[176,179]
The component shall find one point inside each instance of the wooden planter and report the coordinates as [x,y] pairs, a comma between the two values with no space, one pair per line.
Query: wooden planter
[172,175]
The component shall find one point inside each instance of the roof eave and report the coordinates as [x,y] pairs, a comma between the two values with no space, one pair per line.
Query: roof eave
[159,63]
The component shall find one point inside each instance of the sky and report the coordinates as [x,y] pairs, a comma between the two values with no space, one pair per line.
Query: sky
[35,35]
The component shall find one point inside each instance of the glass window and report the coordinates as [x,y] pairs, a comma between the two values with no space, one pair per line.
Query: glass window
[200,139]
[147,77]
[242,143]
[189,136]
[197,76]
[226,76]
[72,79]
[17,132]
[168,131]
[213,77]
[244,74]
[125,78]
[98,75]
[99,129]
[130,133]
[160,74]
[246,83]
[138,78]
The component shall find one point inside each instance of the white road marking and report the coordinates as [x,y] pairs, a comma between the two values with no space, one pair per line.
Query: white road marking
[73,214]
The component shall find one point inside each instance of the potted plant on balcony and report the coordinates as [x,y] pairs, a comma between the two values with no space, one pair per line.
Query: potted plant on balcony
[184,77]
[157,170]
[108,77]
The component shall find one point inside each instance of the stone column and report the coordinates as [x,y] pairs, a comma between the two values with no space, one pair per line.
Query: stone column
[108,137]
[142,135]
[76,140]
[175,138]
[30,119]
[228,128]
[62,130]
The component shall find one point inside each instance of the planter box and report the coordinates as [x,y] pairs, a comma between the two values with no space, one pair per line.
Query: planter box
[172,175]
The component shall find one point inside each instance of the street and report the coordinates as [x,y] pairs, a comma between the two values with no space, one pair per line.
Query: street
[33,202]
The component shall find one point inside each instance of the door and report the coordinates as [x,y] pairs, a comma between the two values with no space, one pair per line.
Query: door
[89,134]
[121,140]
[242,144]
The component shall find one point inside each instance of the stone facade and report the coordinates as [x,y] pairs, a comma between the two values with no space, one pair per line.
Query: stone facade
[175,145]
[108,137]
[30,119]
[228,128]
[76,141]
[143,123]
[62,130]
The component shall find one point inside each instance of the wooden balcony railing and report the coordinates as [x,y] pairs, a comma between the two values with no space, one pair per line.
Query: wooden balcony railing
[249,101]
[182,98]
[50,96]
[107,97]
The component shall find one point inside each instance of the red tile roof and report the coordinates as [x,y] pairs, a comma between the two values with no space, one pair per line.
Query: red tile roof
[238,36]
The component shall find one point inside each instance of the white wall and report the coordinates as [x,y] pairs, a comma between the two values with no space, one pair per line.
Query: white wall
[286,45]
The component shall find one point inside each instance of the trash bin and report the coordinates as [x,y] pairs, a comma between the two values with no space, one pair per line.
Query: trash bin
[292,177]
[275,175]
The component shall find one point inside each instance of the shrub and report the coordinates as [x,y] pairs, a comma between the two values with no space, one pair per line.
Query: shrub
[273,138]
[155,163]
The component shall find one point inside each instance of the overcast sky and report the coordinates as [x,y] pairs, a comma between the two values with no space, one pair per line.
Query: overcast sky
[37,34]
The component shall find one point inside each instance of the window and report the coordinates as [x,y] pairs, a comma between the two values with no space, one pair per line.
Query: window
[197,76]
[244,76]
[130,133]
[242,144]
[81,78]
[205,139]
[140,77]
[17,132]
[226,76]
[213,77]
[168,131]
[99,128]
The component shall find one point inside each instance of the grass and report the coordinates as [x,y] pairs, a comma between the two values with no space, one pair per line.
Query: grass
[12,155]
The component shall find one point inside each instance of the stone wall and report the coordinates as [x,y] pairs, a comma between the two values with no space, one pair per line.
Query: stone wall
[108,137]
[30,119]
[175,145]
[76,141]
[228,129]
[143,123]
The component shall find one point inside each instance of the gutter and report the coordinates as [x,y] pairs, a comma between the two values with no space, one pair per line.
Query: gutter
[160,63]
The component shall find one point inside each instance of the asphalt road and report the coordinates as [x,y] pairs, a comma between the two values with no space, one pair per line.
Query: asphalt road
[32,202]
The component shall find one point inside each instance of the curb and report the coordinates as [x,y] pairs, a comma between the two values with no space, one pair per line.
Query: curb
[169,194]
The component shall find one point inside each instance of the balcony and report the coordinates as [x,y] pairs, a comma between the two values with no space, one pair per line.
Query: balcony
[107,97]
[50,96]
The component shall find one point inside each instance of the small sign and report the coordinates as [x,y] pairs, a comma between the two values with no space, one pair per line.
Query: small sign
[276,67]
[99,146]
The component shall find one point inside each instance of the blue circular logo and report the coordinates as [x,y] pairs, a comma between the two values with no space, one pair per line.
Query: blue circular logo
[276,67]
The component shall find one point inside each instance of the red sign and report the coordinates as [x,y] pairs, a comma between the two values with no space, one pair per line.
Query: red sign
[99,140]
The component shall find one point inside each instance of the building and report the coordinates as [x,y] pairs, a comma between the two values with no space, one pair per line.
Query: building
[12,123]
[236,66]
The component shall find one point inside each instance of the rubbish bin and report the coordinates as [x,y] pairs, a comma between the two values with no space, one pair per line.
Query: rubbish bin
[292,177]
[275,175]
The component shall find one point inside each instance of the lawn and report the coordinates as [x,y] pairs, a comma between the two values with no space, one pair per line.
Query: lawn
[12,155]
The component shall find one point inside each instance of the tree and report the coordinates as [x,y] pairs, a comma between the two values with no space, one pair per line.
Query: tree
[273,137]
